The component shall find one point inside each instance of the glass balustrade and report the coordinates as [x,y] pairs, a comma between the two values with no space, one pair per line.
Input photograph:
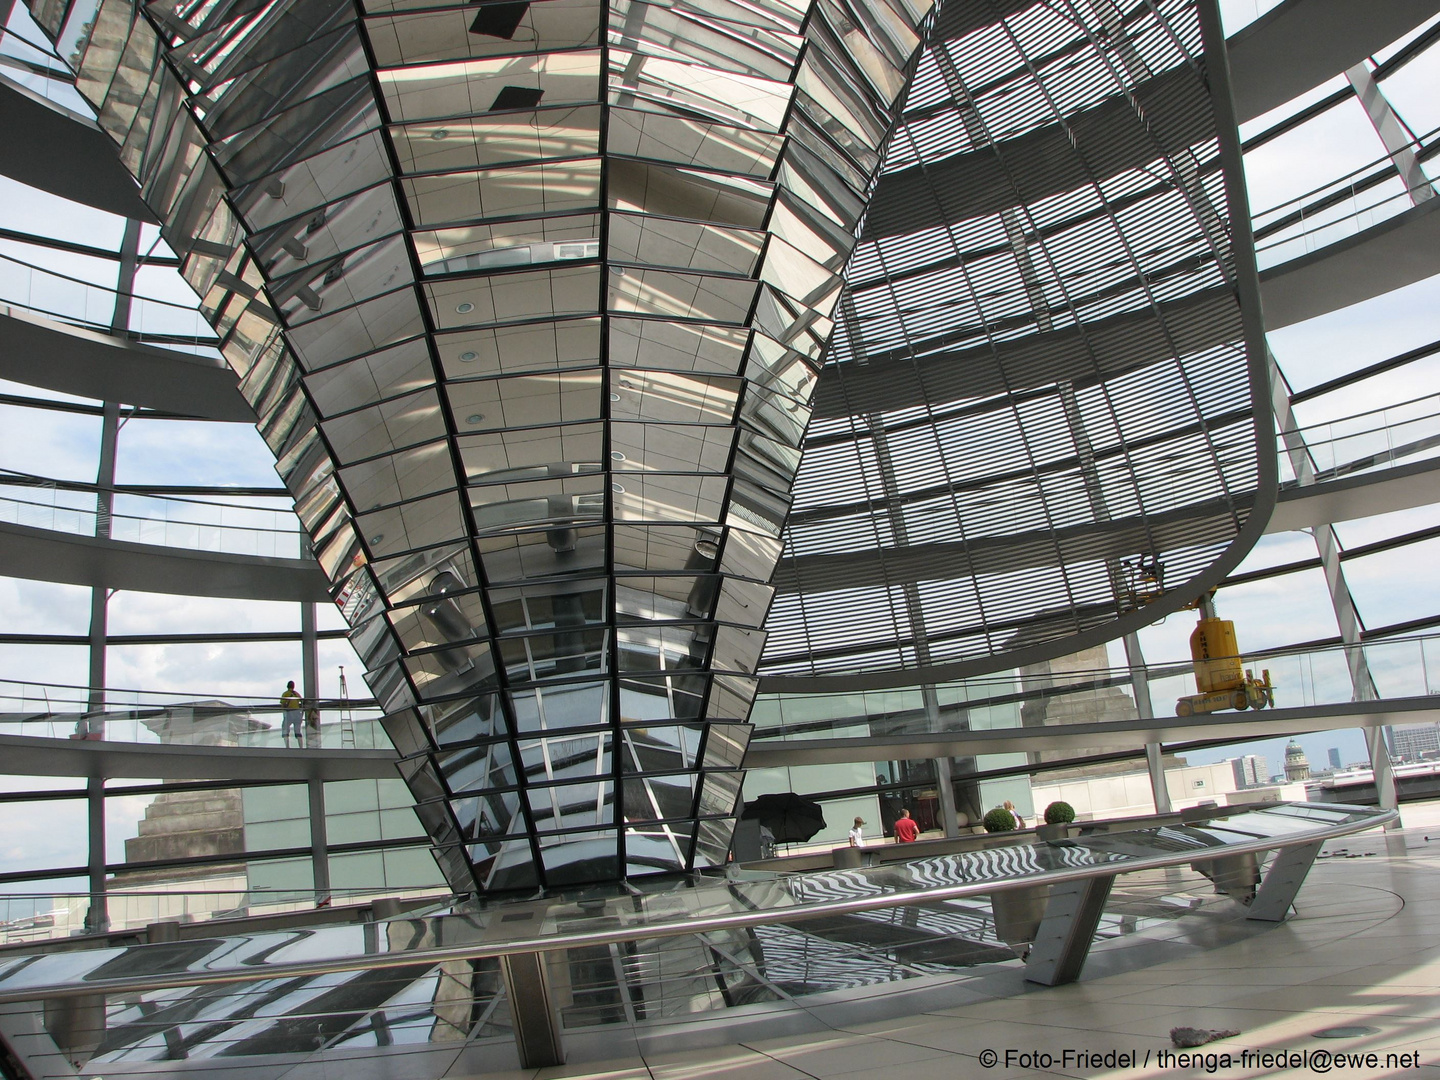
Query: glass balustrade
[25,288]
[31,917]
[143,716]
[1338,209]
[194,524]
[1399,667]
[1369,441]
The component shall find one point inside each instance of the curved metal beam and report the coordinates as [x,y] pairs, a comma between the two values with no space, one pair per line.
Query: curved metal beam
[1297,45]
[1317,39]
[70,359]
[1365,495]
[61,152]
[1384,492]
[26,755]
[45,555]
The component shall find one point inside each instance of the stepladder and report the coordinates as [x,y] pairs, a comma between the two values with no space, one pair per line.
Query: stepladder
[347,719]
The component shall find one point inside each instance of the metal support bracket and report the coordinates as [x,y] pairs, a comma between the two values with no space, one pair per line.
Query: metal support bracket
[1282,881]
[532,1010]
[1063,941]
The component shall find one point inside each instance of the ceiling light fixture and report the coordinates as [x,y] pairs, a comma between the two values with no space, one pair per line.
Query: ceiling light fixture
[465,308]
[467,357]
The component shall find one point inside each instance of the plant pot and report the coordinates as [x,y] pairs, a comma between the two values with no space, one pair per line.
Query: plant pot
[1018,913]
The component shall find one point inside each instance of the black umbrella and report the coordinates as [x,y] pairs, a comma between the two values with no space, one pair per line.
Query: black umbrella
[788,816]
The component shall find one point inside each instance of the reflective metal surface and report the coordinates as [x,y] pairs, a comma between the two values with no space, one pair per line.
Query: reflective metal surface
[530,300]
[694,907]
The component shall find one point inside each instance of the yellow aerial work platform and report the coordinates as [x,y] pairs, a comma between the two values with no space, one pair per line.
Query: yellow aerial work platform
[1221,678]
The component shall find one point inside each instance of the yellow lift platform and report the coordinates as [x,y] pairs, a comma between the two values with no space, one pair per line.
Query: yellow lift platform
[1221,678]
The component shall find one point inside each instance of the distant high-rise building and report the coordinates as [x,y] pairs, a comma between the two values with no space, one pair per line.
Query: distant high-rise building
[1252,770]
[1415,741]
[1334,754]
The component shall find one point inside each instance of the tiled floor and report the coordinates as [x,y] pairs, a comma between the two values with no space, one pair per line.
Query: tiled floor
[1363,951]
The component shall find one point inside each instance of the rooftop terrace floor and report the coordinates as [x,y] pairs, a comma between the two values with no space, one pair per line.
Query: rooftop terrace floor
[1362,951]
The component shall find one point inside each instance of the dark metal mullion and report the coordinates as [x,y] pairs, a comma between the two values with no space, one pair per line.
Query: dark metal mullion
[1290,123]
[1406,54]
[612,681]
[1378,368]
[783,130]
[237,638]
[402,208]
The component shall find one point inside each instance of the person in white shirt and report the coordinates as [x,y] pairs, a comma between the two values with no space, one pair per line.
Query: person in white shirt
[1019,821]
[857,834]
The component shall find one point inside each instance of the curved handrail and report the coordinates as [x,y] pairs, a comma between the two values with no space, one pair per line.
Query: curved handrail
[1417,145]
[104,297]
[1307,217]
[1401,667]
[1392,439]
[274,532]
[547,926]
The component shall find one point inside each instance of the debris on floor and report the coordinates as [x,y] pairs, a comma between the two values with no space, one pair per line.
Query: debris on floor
[1187,1036]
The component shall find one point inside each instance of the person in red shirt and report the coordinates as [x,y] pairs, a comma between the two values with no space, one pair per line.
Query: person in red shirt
[906,831]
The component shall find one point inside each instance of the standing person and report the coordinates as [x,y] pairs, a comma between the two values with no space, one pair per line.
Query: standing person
[290,719]
[906,831]
[857,834]
[1019,821]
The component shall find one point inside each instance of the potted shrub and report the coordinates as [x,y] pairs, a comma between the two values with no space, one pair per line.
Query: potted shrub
[1058,816]
[1059,813]
[999,820]
[1018,912]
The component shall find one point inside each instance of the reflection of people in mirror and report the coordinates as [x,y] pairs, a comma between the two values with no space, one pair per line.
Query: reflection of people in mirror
[906,831]
[1019,821]
[312,725]
[857,834]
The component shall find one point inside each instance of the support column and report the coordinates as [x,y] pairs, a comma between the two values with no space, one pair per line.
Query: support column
[1398,139]
[1347,616]
[1282,881]
[1399,144]
[319,842]
[1145,709]
[309,654]
[1062,941]
[97,917]
[944,775]
[532,1010]
[914,612]
[92,725]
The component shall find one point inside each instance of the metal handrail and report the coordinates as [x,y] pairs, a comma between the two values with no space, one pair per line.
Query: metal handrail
[92,512]
[680,924]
